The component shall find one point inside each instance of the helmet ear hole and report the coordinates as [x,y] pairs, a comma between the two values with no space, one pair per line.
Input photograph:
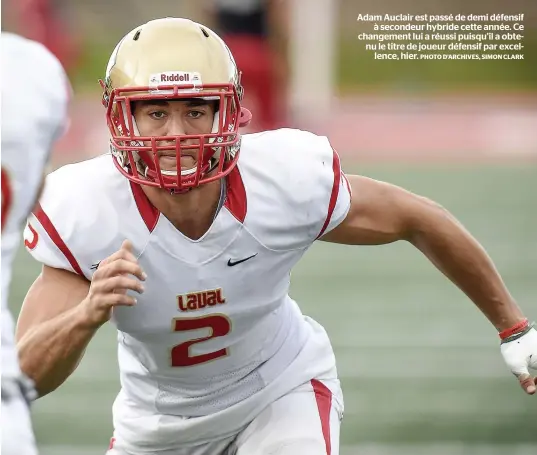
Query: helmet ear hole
[245,117]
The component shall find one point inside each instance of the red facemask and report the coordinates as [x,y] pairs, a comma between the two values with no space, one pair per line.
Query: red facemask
[137,157]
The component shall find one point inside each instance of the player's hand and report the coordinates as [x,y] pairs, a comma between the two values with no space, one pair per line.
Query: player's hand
[115,275]
[520,354]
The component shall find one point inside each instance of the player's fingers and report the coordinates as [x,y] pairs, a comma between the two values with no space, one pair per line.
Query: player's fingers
[127,245]
[528,383]
[121,300]
[125,252]
[122,267]
[122,284]
[118,284]
[119,254]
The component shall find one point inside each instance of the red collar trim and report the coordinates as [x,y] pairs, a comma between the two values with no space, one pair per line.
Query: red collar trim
[235,200]
[236,195]
[148,212]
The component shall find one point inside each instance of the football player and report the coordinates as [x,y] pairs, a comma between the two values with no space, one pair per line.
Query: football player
[184,236]
[34,109]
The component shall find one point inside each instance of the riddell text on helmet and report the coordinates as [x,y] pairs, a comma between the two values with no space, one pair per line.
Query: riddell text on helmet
[175,77]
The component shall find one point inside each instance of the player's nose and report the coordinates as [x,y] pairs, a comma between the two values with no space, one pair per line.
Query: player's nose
[176,126]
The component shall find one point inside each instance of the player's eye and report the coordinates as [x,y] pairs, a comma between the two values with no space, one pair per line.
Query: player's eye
[195,114]
[157,115]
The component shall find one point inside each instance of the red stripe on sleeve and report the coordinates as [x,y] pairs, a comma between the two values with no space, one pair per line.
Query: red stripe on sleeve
[55,237]
[336,167]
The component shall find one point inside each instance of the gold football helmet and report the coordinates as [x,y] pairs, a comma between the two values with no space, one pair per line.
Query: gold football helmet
[173,59]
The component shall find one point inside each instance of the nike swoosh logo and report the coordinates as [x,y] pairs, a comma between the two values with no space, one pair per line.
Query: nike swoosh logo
[232,263]
[95,266]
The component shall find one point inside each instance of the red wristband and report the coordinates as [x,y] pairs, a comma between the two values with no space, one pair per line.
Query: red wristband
[515,329]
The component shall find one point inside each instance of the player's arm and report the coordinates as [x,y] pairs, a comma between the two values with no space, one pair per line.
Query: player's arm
[382,213]
[62,312]
[51,331]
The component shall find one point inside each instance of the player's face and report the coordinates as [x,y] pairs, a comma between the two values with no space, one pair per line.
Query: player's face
[175,118]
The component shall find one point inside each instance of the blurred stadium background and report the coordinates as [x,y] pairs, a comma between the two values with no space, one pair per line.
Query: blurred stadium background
[420,367]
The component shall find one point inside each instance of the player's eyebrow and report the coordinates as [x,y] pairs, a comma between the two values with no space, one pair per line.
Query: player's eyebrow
[161,103]
[190,102]
[193,102]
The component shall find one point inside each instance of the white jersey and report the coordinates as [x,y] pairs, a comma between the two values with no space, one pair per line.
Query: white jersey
[215,337]
[34,108]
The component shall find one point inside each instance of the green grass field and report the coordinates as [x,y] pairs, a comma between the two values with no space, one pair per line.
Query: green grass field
[421,368]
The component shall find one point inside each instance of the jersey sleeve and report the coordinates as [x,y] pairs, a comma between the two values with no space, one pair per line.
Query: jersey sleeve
[52,231]
[84,214]
[299,188]
[340,195]
[46,245]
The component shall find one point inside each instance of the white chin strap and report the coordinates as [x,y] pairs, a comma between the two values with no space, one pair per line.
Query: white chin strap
[142,168]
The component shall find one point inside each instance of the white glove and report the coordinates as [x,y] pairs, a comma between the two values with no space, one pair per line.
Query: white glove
[520,353]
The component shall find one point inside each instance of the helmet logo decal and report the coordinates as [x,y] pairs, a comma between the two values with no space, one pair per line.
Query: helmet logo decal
[175,78]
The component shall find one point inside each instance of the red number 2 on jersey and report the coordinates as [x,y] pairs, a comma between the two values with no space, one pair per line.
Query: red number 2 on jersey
[219,325]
